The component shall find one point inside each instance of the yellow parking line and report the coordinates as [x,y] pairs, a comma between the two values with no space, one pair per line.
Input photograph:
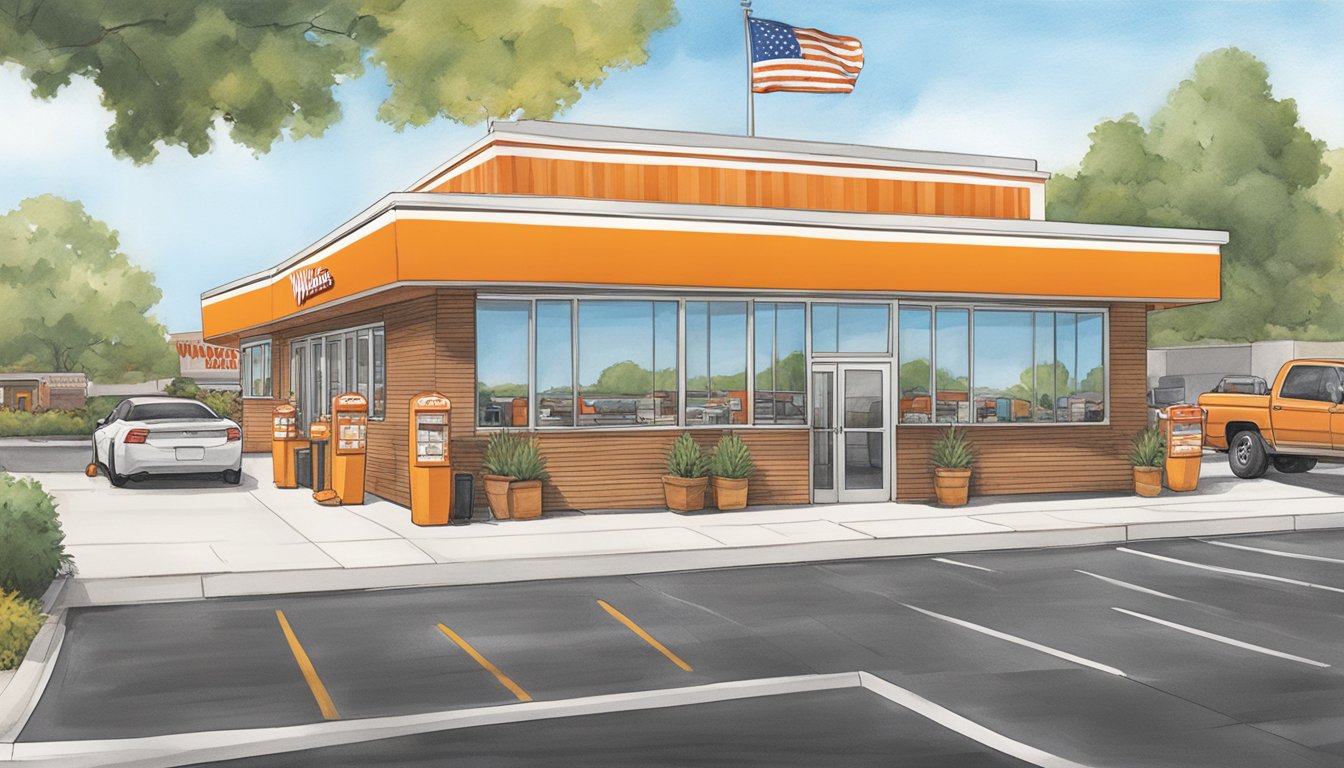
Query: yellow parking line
[645,636]
[504,679]
[309,673]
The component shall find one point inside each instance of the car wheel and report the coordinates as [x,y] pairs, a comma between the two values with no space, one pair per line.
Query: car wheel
[1294,464]
[1247,456]
[118,481]
[232,476]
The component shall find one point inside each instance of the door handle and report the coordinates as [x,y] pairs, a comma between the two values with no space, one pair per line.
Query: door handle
[1278,407]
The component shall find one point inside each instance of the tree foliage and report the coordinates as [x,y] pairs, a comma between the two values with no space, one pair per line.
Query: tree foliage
[169,69]
[1223,153]
[71,301]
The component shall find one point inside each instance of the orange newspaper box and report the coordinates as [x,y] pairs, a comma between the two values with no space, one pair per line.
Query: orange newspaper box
[431,466]
[284,439]
[350,422]
[1183,428]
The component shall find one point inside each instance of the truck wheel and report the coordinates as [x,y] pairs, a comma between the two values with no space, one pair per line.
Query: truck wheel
[1246,455]
[1293,464]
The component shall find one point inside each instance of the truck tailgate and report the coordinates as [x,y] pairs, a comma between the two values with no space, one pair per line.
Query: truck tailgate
[1227,407]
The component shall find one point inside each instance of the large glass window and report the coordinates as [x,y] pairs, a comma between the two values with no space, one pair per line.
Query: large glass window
[1004,366]
[379,404]
[1046,377]
[716,362]
[916,353]
[781,363]
[952,356]
[501,362]
[555,364]
[851,328]
[334,363]
[627,363]
[256,370]
[1091,389]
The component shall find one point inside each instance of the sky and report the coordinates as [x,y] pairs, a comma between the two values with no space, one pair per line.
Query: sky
[1025,78]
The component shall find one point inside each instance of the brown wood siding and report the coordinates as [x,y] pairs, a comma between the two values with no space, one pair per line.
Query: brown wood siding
[257,423]
[734,186]
[1040,459]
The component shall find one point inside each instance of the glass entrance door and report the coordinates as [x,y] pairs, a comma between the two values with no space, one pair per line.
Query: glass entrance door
[850,445]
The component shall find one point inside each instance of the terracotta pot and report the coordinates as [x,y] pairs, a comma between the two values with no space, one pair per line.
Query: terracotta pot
[497,495]
[729,492]
[1148,481]
[685,494]
[952,486]
[525,499]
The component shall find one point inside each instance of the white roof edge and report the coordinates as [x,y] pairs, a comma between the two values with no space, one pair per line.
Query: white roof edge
[741,215]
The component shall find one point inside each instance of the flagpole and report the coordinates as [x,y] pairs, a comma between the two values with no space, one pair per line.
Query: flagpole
[751,95]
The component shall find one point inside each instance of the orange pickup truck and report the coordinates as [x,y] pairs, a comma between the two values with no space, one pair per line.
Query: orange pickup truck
[1300,421]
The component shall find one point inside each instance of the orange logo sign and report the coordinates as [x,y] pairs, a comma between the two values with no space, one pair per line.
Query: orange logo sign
[432,401]
[307,283]
[352,399]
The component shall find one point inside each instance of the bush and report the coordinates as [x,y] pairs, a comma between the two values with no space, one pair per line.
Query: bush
[182,387]
[950,450]
[31,548]
[1148,449]
[686,459]
[225,403]
[99,407]
[511,455]
[732,458]
[20,618]
[26,423]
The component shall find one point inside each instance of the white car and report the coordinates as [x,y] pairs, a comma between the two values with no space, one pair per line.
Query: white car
[167,436]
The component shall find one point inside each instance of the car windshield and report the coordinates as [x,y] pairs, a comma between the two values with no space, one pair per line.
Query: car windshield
[155,411]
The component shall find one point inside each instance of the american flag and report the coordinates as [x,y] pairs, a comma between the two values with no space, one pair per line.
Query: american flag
[787,58]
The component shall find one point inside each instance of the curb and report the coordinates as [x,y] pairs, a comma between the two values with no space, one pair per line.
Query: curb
[81,593]
[19,698]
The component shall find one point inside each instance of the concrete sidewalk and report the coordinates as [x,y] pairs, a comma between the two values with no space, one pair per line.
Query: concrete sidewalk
[190,539]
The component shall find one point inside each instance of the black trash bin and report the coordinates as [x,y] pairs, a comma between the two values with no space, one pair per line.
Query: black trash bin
[319,465]
[464,494]
[303,467]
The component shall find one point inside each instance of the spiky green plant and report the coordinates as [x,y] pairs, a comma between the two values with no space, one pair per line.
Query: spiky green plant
[499,453]
[1148,449]
[731,458]
[685,458]
[951,451]
[512,455]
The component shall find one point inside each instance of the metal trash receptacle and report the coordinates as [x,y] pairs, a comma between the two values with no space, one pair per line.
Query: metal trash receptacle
[319,463]
[464,495]
[303,467]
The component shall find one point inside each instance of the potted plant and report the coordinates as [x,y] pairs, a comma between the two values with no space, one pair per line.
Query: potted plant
[498,464]
[687,475]
[1147,453]
[951,457]
[528,469]
[730,467]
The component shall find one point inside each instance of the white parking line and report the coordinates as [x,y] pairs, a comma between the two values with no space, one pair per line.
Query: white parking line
[1222,639]
[950,561]
[1230,571]
[1277,552]
[1127,585]
[1020,641]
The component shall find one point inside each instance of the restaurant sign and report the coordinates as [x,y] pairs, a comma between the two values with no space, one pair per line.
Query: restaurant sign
[309,282]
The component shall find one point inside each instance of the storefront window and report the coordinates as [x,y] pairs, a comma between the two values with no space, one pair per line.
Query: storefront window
[363,373]
[256,370]
[627,363]
[1047,370]
[781,363]
[716,362]
[851,328]
[952,356]
[1091,388]
[1004,366]
[379,404]
[555,364]
[916,352]
[501,363]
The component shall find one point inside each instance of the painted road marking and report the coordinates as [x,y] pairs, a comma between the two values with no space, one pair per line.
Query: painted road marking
[1222,639]
[1231,571]
[963,565]
[319,690]
[645,636]
[1021,641]
[1127,585]
[503,679]
[1276,552]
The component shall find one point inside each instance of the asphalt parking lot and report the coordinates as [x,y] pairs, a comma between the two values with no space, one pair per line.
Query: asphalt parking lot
[1182,652]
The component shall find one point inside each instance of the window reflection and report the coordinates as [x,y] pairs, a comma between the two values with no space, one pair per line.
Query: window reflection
[555,365]
[627,363]
[1047,370]
[1004,368]
[915,349]
[851,328]
[781,363]
[952,353]
[501,362]
[716,362]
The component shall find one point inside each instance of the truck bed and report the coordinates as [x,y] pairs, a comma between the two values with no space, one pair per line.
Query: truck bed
[1227,407]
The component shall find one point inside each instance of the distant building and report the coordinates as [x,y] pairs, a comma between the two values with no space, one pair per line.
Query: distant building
[211,366]
[42,391]
[1199,368]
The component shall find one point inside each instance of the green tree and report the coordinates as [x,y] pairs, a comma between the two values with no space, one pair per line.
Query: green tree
[1223,153]
[170,69]
[70,300]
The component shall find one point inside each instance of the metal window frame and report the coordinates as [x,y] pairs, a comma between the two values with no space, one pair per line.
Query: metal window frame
[245,369]
[353,331]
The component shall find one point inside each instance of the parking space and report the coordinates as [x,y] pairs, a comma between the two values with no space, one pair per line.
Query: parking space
[1156,653]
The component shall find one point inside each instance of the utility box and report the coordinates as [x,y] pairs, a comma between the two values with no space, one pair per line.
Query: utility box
[1183,428]
[350,419]
[431,466]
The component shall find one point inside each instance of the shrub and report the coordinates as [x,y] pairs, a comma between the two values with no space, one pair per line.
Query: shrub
[26,423]
[732,458]
[1148,449]
[31,548]
[498,454]
[950,450]
[224,402]
[182,387]
[513,455]
[685,458]
[100,406]
[20,618]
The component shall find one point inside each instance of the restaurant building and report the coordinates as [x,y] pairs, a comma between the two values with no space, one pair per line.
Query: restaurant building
[609,288]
